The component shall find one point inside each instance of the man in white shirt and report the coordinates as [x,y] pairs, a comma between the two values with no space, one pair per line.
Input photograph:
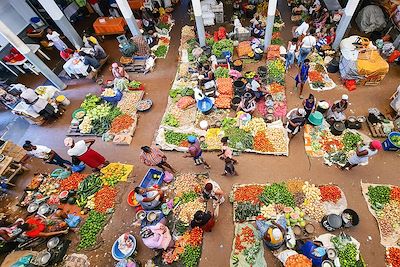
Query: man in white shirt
[46,154]
[306,46]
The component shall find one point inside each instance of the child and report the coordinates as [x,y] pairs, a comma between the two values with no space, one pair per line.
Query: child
[226,152]
[269,102]
[229,168]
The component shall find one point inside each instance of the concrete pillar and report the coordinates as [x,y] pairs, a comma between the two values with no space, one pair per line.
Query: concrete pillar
[344,22]
[30,56]
[201,32]
[62,22]
[270,23]
[128,15]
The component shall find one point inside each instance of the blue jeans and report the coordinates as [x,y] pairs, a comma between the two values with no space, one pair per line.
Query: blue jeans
[57,160]
[289,59]
[303,54]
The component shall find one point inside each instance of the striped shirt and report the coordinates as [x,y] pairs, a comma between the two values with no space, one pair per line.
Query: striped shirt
[153,158]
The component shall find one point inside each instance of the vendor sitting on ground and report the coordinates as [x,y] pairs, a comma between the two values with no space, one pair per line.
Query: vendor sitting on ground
[247,103]
[295,119]
[257,31]
[149,198]
[118,71]
[157,236]
[152,156]
[39,105]
[204,220]
[363,154]
[326,40]
[274,236]
[36,227]
[336,111]
[255,89]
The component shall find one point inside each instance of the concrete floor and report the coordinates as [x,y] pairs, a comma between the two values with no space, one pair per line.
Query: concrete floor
[383,168]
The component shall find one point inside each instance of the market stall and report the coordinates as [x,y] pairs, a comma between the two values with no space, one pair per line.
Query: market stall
[318,77]
[195,101]
[113,114]
[361,61]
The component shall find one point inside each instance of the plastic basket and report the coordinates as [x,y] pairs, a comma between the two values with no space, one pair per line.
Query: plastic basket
[388,145]
[149,181]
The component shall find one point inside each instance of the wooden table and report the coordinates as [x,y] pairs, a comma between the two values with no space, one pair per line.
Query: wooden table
[109,26]
[9,169]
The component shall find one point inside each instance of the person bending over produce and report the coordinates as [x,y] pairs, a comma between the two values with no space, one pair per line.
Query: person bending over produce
[157,236]
[149,198]
[363,154]
[82,150]
[195,152]
[118,71]
[152,156]
[213,191]
[204,220]
[295,119]
[36,227]
[46,154]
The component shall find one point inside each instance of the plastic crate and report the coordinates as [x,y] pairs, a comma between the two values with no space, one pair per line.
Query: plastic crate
[149,181]
[243,36]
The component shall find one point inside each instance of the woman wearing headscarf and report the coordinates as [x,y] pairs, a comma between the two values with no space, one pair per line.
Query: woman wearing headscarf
[82,149]
[204,220]
[157,236]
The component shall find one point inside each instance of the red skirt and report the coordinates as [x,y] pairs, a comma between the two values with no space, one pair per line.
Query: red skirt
[209,225]
[92,158]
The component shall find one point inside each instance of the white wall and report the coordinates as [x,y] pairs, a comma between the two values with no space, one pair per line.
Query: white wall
[16,16]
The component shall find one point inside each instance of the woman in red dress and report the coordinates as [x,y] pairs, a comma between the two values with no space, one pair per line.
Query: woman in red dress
[82,150]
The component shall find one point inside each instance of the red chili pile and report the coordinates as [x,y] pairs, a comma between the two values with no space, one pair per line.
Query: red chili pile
[395,193]
[72,182]
[246,236]
[330,193]
[105,199]
[248,193]
[195,237]
[393,257]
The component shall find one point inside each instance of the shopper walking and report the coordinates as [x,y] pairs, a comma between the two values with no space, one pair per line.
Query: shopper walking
[96,7]
[363,154]
[196,152]
[291,50]
[82,149]
[152,156]
[306,46]
[46,154]
[302,76]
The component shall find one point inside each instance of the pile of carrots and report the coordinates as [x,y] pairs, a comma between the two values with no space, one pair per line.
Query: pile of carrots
[72,182]
[275,88]
[261,143]
[395,193]
[244,49]
[315,76]
[105,199]
[225,86]
[195,237]
[248,193]
[120,123]
[393,256]
[330,193]
[223,101]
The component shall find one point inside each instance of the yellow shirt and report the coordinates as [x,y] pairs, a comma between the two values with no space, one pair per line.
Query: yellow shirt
[273,240]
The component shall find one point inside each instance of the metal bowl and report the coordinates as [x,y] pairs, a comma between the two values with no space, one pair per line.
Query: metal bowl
[43,209]
[151,216]
[140,215]
[331,253]
[53,242]
[43,258]
[327,263]
[32,207]
[361,119]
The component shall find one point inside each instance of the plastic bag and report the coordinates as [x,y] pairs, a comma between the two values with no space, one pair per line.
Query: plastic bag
[73,220]
[168,177]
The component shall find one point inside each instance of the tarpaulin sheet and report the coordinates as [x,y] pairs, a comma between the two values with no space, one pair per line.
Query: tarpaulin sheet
[375,65]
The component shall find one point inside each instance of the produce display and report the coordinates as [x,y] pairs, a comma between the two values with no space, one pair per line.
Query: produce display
[247,248]
[72,182]
[121,123]
[384,204]
[221,72]
[393,257]
[104,200]
[294,199]
[276,71]
[127,104]
[298,260]
[87,188]
[90,230]
[318,76]
[221,46]
[115,172]
[348,252]
[395,139]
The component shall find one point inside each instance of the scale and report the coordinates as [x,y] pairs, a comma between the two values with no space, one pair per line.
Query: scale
[127,47]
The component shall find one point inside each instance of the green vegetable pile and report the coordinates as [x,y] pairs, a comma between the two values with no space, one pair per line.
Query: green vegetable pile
[162,26]
[395,139]
[378,196]
[90,102]
[175,138]
[251,252]
[134,84]
[277,41]
[228,123]
[191,256]
[222,46]
[102,117]
[189,196]
[89,231]
[277,193]
[176,93]
[239,139]
[221,72]
[246,210]
[87,188]
[170,120]
[181,228]
[350,141]
[210,41]
[276,71]
[161,51]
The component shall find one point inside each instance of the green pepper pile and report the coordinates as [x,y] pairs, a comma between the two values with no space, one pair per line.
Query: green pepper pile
[191,256]
[239,139]
[277,193]
[175,138]
[170,120]
[89,231]
[350,141]
[378,196]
